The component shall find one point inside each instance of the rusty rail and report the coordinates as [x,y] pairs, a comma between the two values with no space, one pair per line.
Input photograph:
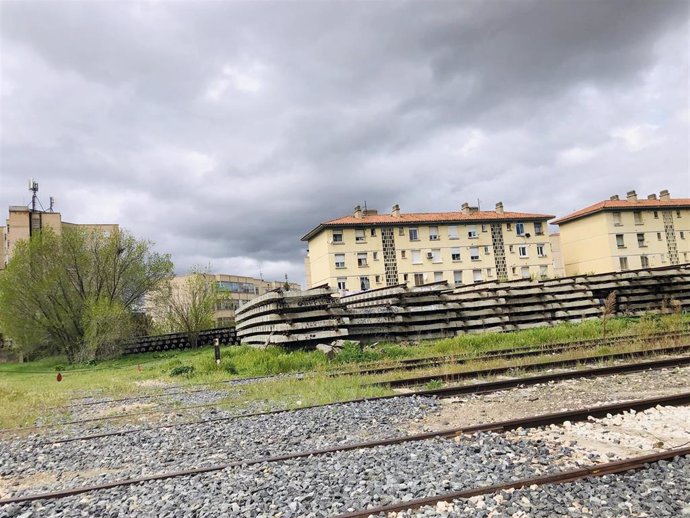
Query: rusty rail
[528,422]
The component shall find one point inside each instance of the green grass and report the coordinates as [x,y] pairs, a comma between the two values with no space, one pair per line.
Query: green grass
[30,390]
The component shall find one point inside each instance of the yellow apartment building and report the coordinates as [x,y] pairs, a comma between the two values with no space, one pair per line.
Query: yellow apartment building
[617,235]
[239,289]
[368,250]
[22,222]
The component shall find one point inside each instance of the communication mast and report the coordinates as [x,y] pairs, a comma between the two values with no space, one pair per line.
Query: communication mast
[33,187]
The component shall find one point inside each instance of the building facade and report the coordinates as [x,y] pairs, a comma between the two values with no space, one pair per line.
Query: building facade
[617,235]
[369,250]
[240,290]
[22,222]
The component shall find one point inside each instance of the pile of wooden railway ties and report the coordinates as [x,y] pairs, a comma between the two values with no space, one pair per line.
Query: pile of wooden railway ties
[399,313]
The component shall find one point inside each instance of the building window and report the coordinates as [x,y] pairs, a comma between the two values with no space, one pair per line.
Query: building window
[678,214]
[638,217]
[414,235]
[483,227]
[543,271]
[342,283]
[522,250]
[375,256]
[538,228]
[364,283]
[373,232]
[486,250]
[402,254]
[640,240]
[658,236]
[361,259]
[401,231]
[617,219]
[656,214]
[438,276]
[359,235]
[337,236]
[489,272]
[436,255]
[540,251]
[623,262]
[472,231]
[510,248]
[404,277]
[682,234]
[457,278]
[418,279]
[378,279]
[474,253]
[524,272]
[620,241]
[416,257]
[644,261]
[453,232]
[509,226]
[520,229]
[477,275]
[340,260]
[433,233]
[455,253]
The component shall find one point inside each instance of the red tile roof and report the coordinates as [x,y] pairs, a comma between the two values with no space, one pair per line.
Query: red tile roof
[425,218]
[624,205]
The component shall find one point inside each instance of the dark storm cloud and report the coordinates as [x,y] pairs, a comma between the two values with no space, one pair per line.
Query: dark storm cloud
[225,131]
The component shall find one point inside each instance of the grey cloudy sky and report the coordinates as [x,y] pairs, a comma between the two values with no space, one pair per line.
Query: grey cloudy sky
[224,131]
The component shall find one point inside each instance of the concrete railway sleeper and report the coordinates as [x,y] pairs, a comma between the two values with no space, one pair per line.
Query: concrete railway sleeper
[581,414]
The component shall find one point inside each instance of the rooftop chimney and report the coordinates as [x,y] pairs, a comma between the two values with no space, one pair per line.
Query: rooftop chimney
[499,207]
[358,212]
[465,208]
[665,195]
[651,197]
[615,197]
[631,196]
[395,211]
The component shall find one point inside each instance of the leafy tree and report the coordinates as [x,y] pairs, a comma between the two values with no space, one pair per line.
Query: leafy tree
[186,304]
[75,293]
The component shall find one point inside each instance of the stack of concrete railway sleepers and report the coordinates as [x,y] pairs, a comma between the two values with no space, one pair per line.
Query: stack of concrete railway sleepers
[143,344]
[510,306]
[291,318]
[400,313]
[642,291]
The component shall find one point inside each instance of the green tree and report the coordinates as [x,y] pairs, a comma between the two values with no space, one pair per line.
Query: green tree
[75,293]
[186,304]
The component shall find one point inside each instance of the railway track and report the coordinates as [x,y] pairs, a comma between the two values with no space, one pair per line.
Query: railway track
[580,414]
[598,470]
[511,353]
[444,392]
[409,364]
[493,371]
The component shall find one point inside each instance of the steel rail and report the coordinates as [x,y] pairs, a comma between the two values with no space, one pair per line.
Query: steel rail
[475,388]
[570,362]
[406,364]
[596,470]
[579,414]
[515,352]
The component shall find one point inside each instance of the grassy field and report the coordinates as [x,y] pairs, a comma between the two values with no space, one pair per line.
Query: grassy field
[30,390]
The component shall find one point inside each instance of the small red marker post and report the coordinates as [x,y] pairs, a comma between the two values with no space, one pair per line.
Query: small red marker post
[59,377]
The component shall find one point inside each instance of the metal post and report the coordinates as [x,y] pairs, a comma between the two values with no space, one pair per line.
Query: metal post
[216,347]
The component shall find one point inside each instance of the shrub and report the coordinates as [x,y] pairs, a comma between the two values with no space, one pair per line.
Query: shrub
[182,370]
